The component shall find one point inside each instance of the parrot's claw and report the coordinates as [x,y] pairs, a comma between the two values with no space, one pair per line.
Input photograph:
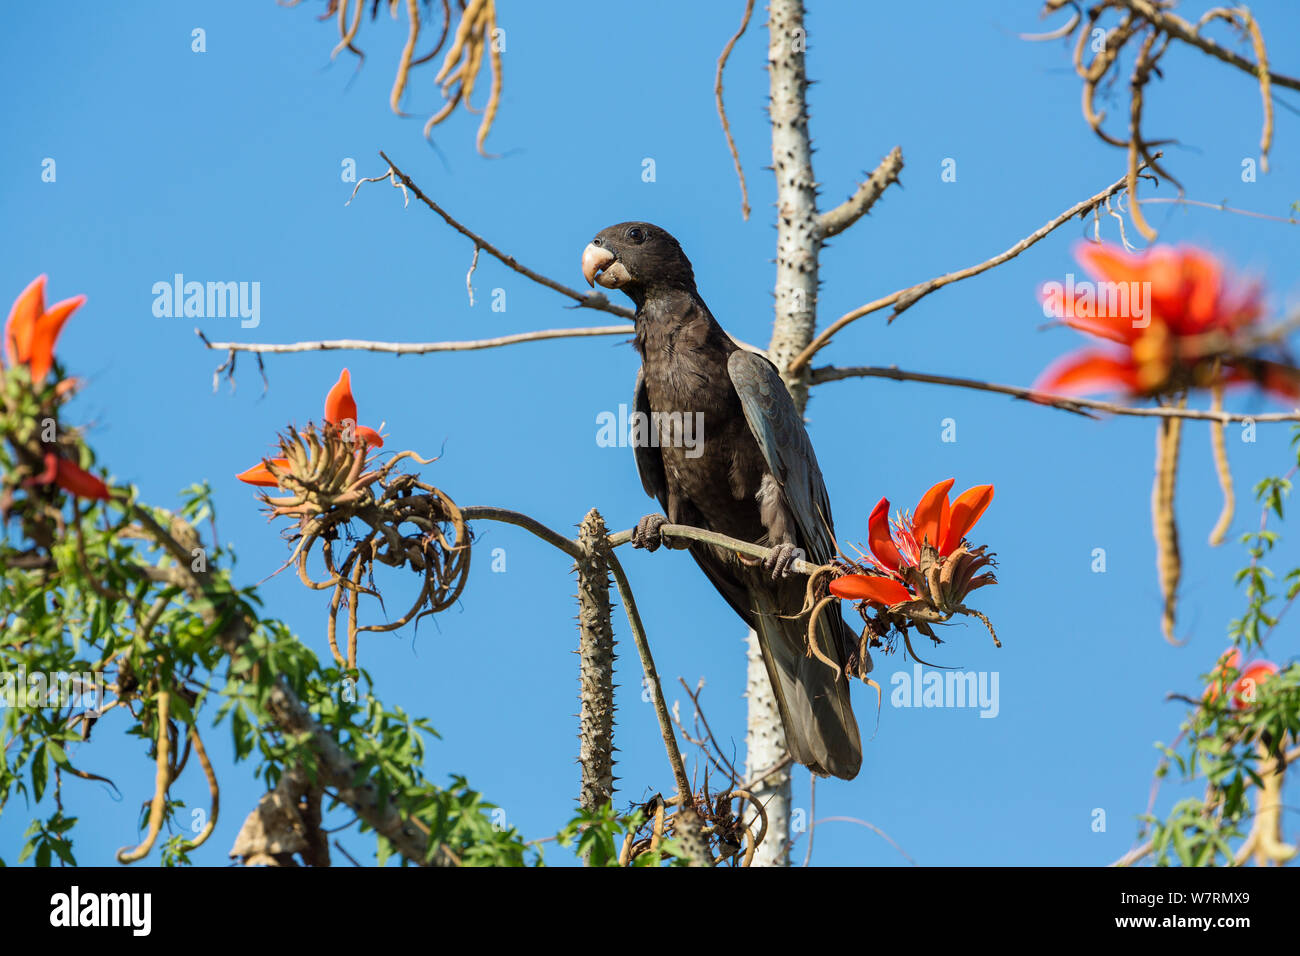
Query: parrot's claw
[647,534]
[779,561]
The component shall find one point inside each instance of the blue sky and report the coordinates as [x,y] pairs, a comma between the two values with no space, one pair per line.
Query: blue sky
[225,165]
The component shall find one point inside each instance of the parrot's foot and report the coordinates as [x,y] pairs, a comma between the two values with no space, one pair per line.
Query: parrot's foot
[647,534]
[779,561]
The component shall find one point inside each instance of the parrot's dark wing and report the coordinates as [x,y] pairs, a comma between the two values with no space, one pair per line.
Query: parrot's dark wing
[650,466]
[784,442]
[813,697]
[649,463]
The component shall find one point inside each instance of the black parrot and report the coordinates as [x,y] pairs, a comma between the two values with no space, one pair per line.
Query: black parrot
[753,476]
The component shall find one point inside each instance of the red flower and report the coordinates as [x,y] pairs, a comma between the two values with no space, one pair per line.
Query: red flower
[30,334]
[32,330]
[934,533]
[340,410]
[1174,312]
[260,474]
[1244,690]
[1229,660]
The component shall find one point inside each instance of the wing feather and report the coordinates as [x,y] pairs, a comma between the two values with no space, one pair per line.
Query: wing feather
[783,440]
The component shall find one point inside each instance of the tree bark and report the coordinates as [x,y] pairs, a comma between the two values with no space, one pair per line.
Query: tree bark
[596,667]
[797,248]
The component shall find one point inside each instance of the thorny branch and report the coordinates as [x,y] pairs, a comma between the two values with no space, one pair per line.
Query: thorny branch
[834,221]
[906,298]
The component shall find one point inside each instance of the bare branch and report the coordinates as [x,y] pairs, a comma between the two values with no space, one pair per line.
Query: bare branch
[419,348]
[905,298]
[590,300]
[1180,29]
[1080,406]
[1183,201]
[835,221]
[722,112]
[870,826]
[687,533]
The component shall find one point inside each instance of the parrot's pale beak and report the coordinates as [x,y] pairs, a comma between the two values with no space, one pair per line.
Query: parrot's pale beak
[599,265]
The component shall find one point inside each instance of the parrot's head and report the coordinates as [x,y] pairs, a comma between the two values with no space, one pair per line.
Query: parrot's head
[636,257]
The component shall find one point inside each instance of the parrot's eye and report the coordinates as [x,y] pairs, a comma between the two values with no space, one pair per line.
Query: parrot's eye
[636,234]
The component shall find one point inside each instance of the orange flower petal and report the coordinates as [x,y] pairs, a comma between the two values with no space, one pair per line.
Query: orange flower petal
[259,474]
[46,334]
[1089,371]
[27,308]
[966,510]
[368,435]
[867,587]
[1117,328]
[879,539]
[340,406]
[76,480]
[1110,263]
[1228,660]
[1244,690]
[930,520]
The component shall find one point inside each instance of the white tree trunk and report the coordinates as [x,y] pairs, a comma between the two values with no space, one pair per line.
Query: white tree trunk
[797,248]
[764,749]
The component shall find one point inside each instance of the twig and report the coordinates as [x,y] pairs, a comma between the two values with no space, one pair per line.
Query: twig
[469,276]
[351,859]
[1080,406]
[721,758]
[869,826]
[906,298]
[1183,201]
[834,221]
[652,675]
[584,299]
[1180,29]
[419,348]
[722,112]
[519,519]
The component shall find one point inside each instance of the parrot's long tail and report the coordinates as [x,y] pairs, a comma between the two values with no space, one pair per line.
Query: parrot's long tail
[820,729]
